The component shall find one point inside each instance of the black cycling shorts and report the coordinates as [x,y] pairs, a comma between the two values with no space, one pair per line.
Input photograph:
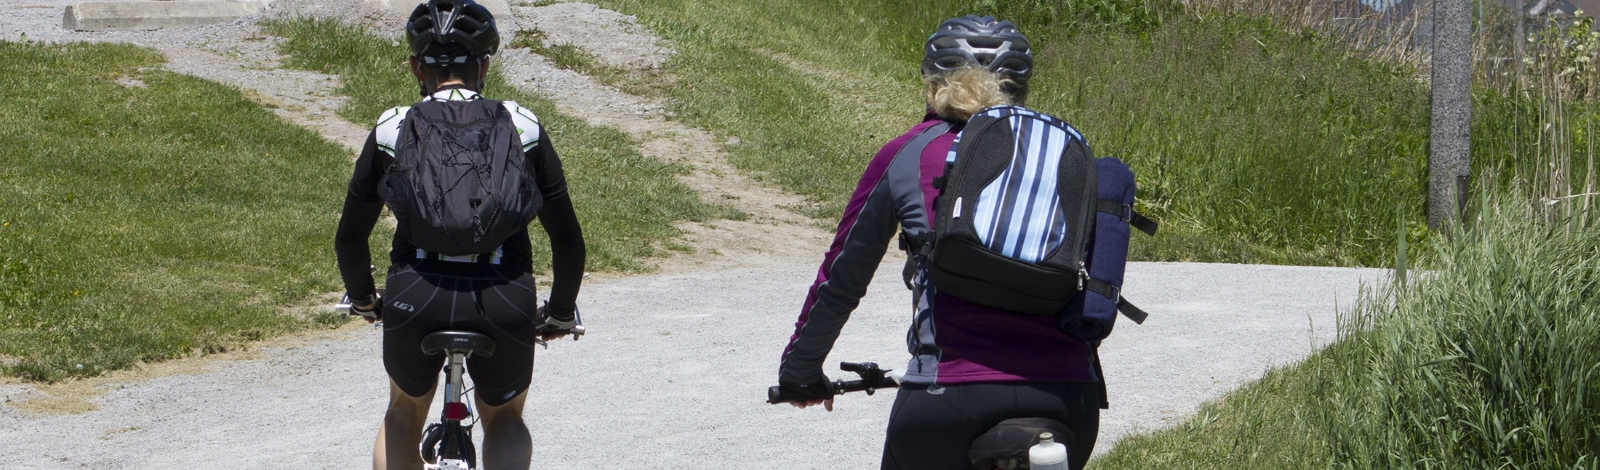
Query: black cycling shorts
[440,295]
[931,428]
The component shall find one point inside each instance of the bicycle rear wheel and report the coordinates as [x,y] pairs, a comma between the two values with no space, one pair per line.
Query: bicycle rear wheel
[448,445]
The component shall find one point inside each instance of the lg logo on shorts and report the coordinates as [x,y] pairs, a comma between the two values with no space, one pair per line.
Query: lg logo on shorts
[404,306]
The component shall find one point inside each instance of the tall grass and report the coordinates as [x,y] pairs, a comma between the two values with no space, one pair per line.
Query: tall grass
[151,218]
[1545,113]
[1489,360]
[1536,88]
[1253,142]
[627,203]
[1492,361]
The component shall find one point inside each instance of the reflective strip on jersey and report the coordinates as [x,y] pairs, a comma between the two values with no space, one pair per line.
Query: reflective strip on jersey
[487,258]
[388,130]
[527,124]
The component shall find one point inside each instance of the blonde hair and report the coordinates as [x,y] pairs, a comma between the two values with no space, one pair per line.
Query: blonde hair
[960,93]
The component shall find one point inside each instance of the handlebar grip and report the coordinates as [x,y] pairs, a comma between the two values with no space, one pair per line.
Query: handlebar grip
[857,366]
[776,395]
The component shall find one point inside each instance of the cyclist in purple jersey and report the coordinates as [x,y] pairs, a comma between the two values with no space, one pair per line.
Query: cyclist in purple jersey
[971,366]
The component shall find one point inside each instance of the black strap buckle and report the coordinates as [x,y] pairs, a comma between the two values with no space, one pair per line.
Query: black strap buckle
[912,246]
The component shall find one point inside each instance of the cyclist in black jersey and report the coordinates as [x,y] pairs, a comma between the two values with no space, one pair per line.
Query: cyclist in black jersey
[491,293]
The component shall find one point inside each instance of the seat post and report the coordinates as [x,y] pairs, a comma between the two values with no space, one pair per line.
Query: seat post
[456,390]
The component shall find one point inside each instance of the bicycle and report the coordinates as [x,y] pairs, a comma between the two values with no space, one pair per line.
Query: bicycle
[447,444]
[1005,446]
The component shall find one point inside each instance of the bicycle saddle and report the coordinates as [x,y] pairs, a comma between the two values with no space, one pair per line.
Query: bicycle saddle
[1006,444]
[478,344]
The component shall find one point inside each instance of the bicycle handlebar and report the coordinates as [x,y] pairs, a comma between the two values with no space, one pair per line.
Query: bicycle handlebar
[872,379]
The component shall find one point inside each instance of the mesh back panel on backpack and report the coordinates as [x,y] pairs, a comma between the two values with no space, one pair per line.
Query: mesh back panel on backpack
[459,183]
[1015,213]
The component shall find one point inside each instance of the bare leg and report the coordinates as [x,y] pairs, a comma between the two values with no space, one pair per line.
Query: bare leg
[506,442]
[401,431]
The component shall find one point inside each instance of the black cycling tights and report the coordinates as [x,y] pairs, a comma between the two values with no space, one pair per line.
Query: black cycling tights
[440,295]
[932,429]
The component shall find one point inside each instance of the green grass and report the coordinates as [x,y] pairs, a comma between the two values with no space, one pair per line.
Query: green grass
[151,221]
[628,203]
[1490,360]
[1252,144]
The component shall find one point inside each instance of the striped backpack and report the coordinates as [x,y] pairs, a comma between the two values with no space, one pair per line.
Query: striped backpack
[1030,222]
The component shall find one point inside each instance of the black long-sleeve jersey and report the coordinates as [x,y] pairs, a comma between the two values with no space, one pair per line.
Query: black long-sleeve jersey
[362,207]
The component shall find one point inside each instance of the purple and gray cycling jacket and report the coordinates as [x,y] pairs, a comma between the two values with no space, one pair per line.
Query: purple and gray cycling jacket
[951,341]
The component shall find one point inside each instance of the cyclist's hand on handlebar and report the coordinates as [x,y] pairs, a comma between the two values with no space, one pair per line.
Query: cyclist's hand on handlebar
[826,404]
[370,308]
[555,325]
[818,393]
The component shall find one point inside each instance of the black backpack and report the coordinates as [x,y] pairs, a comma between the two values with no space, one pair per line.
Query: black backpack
[460,183]
[1021,204]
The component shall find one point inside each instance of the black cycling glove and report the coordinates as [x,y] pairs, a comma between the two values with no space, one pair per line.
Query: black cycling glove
[374,307]
[822,389]
[552,322]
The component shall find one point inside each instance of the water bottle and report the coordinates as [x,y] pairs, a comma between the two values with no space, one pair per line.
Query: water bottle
[1047,454]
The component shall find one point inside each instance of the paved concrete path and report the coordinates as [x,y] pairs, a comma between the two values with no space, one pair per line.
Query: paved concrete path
[673,376]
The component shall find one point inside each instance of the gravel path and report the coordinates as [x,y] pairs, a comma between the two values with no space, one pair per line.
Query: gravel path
[674,374]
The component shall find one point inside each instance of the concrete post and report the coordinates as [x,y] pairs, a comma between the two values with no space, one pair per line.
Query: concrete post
[1448,156]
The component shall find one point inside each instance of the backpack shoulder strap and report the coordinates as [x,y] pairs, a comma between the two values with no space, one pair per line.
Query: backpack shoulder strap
[913,149]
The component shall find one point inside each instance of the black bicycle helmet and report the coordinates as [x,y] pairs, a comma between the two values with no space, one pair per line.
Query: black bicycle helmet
[453,29]
[980,41]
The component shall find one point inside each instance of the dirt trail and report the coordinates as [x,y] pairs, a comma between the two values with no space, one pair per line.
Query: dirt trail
[772,233]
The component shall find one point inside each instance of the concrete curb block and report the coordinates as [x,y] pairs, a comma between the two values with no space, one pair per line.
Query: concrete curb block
[144,16]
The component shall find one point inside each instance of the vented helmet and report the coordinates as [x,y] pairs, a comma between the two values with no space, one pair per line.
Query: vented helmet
[453,30]
[984,42]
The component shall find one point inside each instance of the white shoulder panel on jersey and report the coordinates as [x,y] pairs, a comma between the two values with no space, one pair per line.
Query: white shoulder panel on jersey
[527,124]
[388,129]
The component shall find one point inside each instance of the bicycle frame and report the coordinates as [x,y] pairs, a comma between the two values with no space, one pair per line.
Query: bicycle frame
[451,439]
